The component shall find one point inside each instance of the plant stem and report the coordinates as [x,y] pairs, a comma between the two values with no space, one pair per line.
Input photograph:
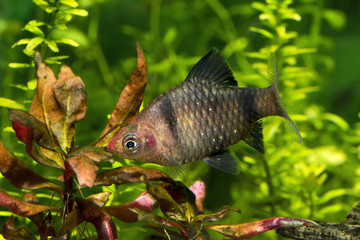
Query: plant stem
[96,48]
[270,184]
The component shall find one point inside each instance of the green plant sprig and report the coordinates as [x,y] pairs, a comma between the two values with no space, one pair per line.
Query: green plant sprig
[59,14]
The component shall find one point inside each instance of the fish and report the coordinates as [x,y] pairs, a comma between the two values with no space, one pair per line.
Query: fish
[202,116]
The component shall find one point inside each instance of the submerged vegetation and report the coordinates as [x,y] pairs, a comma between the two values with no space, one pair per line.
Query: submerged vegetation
[318,84]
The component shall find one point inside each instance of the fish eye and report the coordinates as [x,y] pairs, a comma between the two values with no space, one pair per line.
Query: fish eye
[130,142]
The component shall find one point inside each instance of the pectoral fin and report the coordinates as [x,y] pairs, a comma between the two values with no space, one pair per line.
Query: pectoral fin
[180,170]
[223,161]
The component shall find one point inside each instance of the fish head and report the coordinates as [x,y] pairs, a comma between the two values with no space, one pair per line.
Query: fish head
[135,142]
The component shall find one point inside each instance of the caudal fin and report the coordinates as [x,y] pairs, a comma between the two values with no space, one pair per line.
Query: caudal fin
[273,76]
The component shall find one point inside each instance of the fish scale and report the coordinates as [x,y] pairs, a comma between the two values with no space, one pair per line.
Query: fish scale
[199,118]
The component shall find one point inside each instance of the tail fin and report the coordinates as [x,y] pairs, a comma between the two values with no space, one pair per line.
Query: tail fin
[272,71]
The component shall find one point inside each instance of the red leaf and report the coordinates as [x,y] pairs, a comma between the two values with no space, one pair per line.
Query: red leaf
[246,230]
[21,208]
[20,131]
[129,102]
[198,188]
[144,202]
[101,220]
[14,170]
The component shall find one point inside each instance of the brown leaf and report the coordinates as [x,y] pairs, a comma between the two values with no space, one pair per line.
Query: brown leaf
[144,202]
[195,230]
[58,103]
[14,170]
[176,201]
[101,220]
[31,131]
[70,95]
[156,221]
[129,102]
[40,132]
[213,217]
[45,77]
[30,198]
[44,225]
[10,232]
[130,174]
[94,153]
[21,208]
[99,199]
[84,168]
[73,219]
[246,230]
[36,154]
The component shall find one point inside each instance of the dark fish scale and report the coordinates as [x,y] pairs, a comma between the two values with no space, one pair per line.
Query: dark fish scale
[198,120]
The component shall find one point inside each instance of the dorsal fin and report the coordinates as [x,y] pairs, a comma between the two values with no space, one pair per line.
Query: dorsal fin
[255,137]
[212,69]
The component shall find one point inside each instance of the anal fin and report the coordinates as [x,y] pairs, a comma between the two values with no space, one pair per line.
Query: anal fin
[255,137]
[223,161]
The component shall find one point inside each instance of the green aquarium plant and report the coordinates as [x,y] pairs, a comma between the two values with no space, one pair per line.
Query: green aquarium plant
[48,131]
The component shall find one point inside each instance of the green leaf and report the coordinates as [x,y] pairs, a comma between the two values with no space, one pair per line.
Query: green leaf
[55,60]
[21,42]
[70,3]
[257,55]
[51,9]
[19,65]
[68,41]
[78,12]
[34,42]
[32,84]
[331,194]
[62,18]
[261,7]
[52,45]
[292,50]
[335,18]
[336,120]
[33,27]
[41,3]
[263,32]
[291,14]
[8,103]
[269,17]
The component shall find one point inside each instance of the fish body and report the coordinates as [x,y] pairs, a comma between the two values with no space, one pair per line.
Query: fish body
[199,118]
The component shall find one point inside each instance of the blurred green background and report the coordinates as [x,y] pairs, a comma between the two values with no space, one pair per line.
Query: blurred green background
[317,46]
